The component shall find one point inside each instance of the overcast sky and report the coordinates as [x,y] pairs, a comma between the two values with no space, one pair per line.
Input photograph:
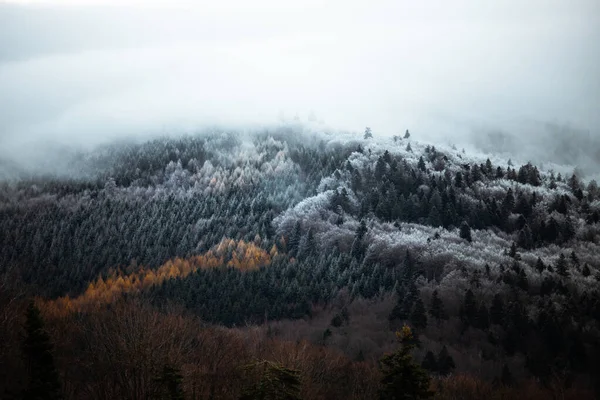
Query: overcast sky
[88,70]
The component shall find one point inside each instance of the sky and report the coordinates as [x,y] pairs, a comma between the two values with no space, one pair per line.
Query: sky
[83,72]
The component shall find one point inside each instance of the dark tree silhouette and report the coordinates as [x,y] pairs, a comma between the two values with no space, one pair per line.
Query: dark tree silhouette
[43,381]
[402,377]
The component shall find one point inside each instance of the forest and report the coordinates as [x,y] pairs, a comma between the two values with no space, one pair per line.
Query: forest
[287,263]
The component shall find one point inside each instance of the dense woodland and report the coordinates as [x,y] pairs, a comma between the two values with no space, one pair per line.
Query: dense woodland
[228,265]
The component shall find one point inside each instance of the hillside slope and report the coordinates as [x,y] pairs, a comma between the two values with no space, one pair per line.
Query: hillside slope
[335,239]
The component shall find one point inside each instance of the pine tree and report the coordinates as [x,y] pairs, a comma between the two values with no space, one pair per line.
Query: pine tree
[358,248]
[43,381]
[540,266]
[585,271]
[488,167]
[406,134]
[429,362]
[418,317]
[402,377]
[434,218]
[458,180]
[445,362]
[574,258]
[561,265]
[465,232]
[525,238]
[275,382]
[368,134]
[421,164]
[513,252]
[380,168]
[437,307]
[508,204]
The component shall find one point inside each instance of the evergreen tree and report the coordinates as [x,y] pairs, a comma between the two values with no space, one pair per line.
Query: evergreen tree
[499,173]
[402,377]
[489,169]
[458,180]
[421,164]
[43,381]
[380,168]
[418,317]
[445,362]
[465,232]
[585,271]
[429,362]
[525,238]
[275,382]
[561,265]
[513,252]
[434,218]
[358,247]
[540,266]
[368,134]
[437,307]
[574,258]
[508,204]
[406,134]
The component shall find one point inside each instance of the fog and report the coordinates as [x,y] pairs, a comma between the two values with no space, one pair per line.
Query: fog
[512,76]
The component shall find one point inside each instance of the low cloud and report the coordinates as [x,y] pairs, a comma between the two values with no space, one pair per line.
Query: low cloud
[452,74]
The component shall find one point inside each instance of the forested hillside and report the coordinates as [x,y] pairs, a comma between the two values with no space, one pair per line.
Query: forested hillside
[190,259]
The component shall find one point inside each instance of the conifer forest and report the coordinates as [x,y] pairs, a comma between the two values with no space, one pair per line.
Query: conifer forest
[288,263]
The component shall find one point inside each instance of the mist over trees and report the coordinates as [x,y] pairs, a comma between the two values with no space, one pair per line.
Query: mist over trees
[271,238]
